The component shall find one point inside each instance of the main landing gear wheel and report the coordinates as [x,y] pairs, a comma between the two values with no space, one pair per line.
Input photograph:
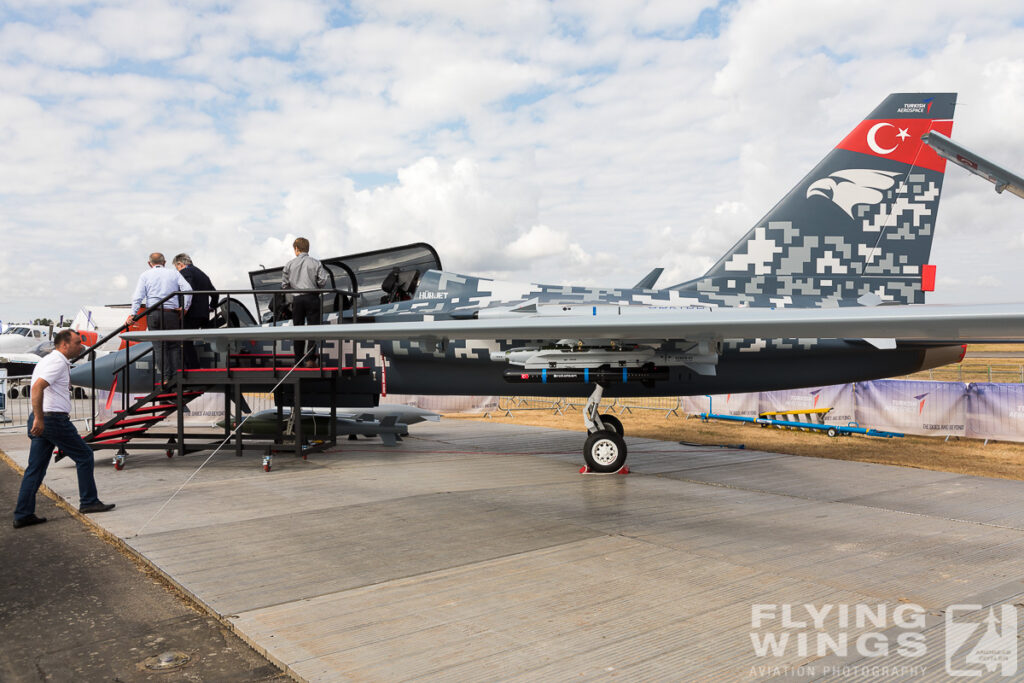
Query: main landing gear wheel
[604,451]
[613,424]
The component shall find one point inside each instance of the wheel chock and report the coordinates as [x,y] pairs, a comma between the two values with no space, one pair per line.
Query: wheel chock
[622,470]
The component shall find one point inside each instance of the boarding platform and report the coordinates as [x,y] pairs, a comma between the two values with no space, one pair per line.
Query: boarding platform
[138,425]
[337,378]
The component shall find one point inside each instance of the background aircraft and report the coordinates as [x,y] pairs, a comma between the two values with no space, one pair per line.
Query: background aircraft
[817,292]
[23,338]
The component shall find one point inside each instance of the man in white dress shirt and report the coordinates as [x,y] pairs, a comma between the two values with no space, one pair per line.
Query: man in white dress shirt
[49,427]
[154,285]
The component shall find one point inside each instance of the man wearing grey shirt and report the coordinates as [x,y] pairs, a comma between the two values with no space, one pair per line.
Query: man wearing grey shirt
[304,272]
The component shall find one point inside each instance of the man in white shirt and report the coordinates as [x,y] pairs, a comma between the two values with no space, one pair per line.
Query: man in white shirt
[49,427]
[154,285]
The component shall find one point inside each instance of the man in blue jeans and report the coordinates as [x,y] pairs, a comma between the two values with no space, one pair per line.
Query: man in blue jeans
[49,426]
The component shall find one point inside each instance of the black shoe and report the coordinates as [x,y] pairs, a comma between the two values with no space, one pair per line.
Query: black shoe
[96,507]
[60,456]
[28,521]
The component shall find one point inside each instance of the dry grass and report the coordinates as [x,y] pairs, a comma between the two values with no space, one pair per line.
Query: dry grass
[964,456]
[980,350]
[981,365]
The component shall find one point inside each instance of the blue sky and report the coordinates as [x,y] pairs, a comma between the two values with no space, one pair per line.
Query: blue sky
[573,141]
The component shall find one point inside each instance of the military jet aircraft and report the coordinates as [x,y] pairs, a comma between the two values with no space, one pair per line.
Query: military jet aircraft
[825,289]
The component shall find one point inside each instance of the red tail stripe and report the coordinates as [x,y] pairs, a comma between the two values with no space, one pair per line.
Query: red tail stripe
[898,140]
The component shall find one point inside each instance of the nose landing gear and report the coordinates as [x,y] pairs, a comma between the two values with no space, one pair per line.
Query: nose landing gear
[605,449]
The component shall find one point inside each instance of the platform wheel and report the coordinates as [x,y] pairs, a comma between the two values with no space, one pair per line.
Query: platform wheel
[832,431]
[118,462]
[613,424]
[604,451]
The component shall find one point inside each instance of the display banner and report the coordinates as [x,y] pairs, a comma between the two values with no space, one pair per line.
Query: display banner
[444,404]
[104,399]
[203,410]
[927,408]
[742,405]
[838,397]
[995,411]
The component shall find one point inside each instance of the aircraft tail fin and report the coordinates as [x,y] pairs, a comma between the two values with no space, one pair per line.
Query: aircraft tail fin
[650,279]
[860,223]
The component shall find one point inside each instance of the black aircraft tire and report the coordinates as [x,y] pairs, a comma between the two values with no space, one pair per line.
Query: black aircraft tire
[613,424]
[12,393]
[604,451]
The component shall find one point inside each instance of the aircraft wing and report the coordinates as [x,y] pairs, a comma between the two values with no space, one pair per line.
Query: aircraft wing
[956,324]
[976,164]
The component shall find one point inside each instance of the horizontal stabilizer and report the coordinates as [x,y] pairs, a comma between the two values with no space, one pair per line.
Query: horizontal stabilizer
[975,163]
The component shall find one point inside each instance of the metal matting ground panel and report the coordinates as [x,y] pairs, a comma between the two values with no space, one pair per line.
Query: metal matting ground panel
[474,550]
[977,499]
[829,480]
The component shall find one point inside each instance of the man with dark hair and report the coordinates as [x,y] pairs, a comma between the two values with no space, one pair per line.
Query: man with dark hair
[155,284]
[49,427]
[304,272]
[198,315]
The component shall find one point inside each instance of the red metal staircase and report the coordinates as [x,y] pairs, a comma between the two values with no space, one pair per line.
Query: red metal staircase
[136,421]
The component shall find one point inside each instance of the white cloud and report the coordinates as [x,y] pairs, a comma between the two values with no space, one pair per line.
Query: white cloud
[145,30]
[467,219]
[565,142]
[538,242]
[54,48]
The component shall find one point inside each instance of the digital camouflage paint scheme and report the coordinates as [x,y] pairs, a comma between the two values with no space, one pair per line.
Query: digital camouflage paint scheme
[816,293]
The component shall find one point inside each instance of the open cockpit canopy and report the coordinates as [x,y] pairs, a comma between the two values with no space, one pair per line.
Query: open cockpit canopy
[370,278]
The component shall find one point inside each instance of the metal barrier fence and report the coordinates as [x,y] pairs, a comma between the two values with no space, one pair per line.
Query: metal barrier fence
[974,372]
[16,404]
[15,414]
[508,405]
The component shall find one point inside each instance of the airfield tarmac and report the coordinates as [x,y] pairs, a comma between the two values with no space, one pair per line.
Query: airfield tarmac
[476,551]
